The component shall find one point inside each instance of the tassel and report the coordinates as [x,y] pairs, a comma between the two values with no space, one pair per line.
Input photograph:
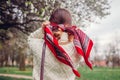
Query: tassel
[76,73]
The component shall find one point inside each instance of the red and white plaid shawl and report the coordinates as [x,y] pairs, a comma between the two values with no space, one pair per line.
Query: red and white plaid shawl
[82,42]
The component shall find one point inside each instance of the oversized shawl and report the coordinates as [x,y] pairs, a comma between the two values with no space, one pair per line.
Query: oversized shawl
[82,42]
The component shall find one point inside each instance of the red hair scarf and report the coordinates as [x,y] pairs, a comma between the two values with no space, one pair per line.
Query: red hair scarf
[81,41]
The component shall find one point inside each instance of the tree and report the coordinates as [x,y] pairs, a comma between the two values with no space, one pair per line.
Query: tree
[85,11]
[3,50]
[22,12]
[20,47]
[113,50]
[96,50]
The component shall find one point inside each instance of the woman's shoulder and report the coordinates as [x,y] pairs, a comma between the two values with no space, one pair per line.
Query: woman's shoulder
[37,34]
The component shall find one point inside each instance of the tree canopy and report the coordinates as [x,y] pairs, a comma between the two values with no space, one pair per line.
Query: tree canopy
[21,12]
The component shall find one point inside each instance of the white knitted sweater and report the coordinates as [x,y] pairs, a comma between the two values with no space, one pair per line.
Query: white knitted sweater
[53,69]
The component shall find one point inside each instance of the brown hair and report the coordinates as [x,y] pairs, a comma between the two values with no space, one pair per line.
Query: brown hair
[61,16]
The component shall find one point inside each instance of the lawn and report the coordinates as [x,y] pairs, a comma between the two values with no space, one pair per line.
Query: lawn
[15,70]
[99,74]
[86,73]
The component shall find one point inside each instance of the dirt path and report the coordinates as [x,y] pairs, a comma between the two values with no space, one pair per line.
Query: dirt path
[16,76]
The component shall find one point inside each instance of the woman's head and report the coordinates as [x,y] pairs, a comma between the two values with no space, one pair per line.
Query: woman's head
[61,16]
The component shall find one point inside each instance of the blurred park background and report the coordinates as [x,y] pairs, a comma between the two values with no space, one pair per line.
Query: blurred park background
[100,19]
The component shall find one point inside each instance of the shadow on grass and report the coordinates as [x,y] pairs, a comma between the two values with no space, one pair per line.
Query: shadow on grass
[15,70]
[10,78]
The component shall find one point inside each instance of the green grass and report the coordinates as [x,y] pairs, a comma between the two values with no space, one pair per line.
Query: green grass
[99,74]
[15,70]
[86,73]
[10,78]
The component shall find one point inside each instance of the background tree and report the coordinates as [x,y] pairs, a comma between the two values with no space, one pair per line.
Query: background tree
[86,11]
[113,56]
[96,49]
[22,12]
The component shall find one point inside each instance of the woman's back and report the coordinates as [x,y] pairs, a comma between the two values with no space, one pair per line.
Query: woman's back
[53,69]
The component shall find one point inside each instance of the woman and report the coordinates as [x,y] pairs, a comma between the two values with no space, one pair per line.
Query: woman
[61,54]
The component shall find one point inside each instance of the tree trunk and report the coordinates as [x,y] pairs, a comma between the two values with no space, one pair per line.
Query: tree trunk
[22,62]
